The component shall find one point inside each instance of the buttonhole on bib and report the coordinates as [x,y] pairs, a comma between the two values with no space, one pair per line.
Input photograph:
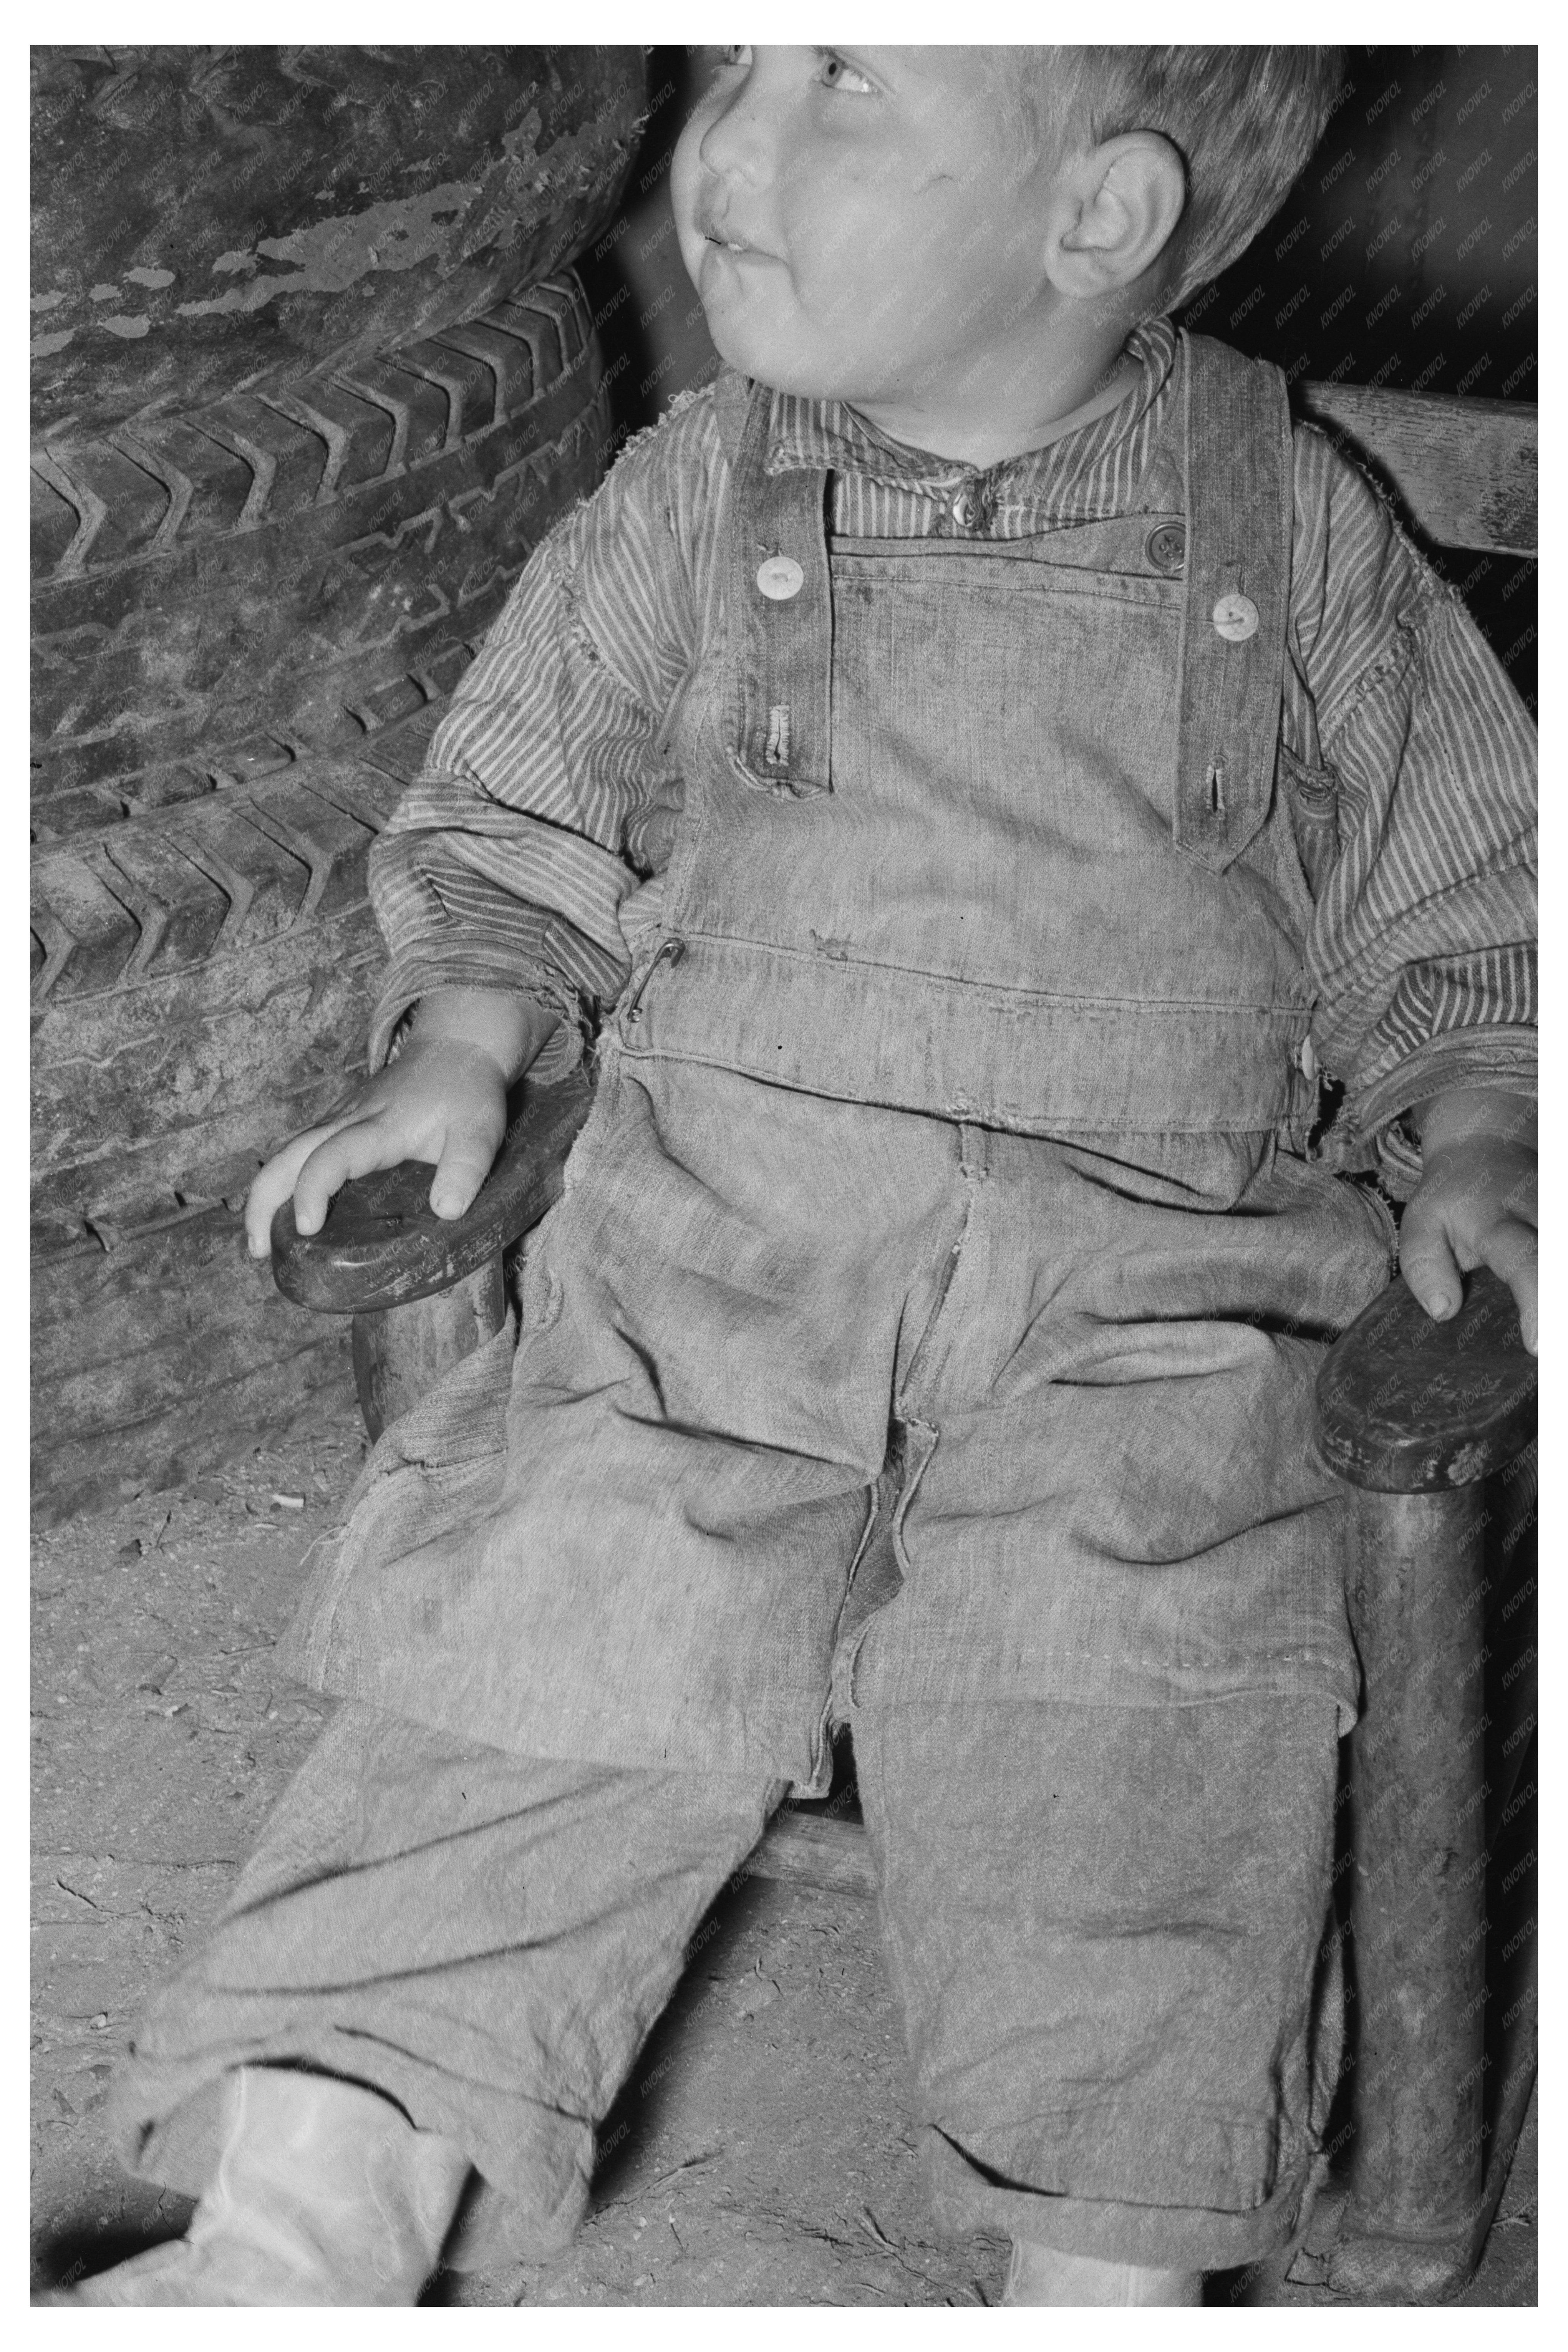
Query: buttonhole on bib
[777,752]
[1216,789]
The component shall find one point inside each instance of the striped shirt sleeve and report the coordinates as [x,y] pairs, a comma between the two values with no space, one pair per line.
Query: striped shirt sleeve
[1422,947]
[545,799]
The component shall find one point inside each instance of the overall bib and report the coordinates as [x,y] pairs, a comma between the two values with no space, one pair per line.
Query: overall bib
[1006,845]
[926,1336]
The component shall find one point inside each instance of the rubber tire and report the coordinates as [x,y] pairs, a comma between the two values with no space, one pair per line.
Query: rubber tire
[252,613]
[220,593]
[205,1025]
[203,971]
[211,218]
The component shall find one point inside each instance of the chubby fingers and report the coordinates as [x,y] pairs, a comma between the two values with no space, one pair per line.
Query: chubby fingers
[273,1185]
[369,1144]
[1429,1265]
[466,1156]
[357,1149]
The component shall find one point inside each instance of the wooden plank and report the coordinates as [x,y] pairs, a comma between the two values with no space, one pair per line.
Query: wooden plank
[1465,470]
[815,1850]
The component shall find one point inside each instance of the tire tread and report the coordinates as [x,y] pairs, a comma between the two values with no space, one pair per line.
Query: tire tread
[186,883]
[248,460]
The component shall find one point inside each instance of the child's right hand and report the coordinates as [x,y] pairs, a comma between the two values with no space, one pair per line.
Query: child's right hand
[443,1099]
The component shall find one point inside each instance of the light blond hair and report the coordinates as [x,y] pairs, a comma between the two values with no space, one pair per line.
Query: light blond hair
[1243,121]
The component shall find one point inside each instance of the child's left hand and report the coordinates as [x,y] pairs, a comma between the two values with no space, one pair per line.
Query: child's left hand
[1475,1205]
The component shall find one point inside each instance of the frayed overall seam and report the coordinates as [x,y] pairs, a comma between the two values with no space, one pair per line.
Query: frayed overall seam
[921,1436]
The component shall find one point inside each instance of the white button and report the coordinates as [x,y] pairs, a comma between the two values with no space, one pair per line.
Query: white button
[1235,617]
[780,577]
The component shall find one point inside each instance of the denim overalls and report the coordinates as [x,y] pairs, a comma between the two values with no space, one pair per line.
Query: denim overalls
[926,1337]
[977,1004]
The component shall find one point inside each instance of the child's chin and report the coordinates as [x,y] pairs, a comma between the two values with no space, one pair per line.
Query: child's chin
[748,352]
[765,358]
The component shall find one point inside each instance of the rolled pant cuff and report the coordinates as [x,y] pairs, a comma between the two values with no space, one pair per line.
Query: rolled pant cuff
[967,2198]
[533,2165]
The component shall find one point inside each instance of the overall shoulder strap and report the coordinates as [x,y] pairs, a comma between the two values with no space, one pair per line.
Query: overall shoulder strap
[778,712]
[1240,507]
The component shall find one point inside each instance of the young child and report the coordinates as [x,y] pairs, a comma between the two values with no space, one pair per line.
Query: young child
[991,763]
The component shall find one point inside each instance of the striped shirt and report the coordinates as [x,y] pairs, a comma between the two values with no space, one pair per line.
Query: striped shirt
[530,852]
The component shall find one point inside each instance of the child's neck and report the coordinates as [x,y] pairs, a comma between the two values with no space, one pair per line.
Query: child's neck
[1026,402]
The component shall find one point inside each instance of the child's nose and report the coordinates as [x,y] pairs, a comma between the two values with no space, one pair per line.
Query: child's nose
[737,143]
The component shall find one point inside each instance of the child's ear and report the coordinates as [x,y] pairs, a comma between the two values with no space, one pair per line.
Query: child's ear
[1117,207]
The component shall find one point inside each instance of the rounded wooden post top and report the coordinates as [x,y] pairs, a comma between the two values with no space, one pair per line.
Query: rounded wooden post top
[383,1246]
[1407,1406]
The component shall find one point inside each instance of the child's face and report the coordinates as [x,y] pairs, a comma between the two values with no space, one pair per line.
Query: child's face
[854,220]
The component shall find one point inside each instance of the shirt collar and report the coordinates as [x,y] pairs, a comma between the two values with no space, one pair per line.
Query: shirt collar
[828,434]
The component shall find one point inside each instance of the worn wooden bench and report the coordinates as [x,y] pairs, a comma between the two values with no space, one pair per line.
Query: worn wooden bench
[1416,1416]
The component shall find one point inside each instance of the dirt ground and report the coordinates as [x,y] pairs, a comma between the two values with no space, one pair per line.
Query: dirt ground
[763,2150]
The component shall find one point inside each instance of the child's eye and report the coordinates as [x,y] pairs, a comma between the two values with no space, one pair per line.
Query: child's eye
[835,72]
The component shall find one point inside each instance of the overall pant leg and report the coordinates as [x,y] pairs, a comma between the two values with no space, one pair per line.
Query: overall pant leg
[1106,1928]
[485,1938]
[698,1410]
[1096,1725]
